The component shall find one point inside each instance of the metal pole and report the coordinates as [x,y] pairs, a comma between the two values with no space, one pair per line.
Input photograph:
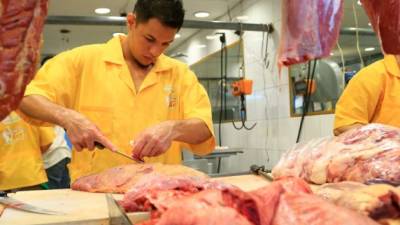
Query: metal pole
[120,21]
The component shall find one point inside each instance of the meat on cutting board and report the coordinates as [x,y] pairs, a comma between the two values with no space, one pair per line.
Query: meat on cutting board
[378,201]
[287,201]
[364,154]
[310,28]
[120,179]
[21,25]
[156,192]
[385,19]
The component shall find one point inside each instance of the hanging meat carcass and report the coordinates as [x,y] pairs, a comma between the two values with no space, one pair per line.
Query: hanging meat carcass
[310,29]
[385,19]
[21,25]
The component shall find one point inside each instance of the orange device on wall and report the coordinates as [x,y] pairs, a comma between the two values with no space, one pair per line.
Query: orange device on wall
[242,87]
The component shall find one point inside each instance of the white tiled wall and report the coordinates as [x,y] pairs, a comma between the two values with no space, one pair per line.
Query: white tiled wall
[268,106]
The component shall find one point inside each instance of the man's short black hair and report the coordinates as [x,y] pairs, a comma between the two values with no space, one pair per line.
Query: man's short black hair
[169,12]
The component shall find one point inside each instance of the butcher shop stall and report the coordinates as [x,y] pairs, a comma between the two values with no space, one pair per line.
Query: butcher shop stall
[185,112]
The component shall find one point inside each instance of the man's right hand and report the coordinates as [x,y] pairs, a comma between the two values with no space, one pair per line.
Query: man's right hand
[83,133]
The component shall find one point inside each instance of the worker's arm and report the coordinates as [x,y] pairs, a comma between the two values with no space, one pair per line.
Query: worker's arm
[343,129]
[157,139]
[81,131]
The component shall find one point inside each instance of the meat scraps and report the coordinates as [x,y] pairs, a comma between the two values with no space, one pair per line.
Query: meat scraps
[21,25]
[310,28]
[120,179]
[364,154]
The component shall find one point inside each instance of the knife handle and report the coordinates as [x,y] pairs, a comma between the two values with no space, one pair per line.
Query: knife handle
[3,194]
[99,145]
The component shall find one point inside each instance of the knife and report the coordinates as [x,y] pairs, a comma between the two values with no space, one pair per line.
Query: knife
[116,213]
[101,146]
[260,170]
[17,204]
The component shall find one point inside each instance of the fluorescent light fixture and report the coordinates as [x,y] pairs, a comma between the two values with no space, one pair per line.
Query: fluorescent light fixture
[332,53]
[352,28]
[118,34]
[242,18]
[217,21]
[102,11]
[369,24]
[359,2]
[200,46]
[177,36]
[212,37]
[201,14]
[369,49]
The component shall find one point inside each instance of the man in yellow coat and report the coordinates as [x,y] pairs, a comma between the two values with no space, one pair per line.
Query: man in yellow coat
[125,91]
[21,147]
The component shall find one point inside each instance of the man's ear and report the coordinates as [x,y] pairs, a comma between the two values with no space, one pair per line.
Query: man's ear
[130,20]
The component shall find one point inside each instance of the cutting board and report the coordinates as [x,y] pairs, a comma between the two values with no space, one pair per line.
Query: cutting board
[83,208]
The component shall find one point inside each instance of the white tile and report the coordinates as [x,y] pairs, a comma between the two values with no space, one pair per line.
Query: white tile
[287,135]
[283,101]
[256,106]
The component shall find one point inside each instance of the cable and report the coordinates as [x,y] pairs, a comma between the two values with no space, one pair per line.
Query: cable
[307,97]
[343,63]
[357,35]
[222,88]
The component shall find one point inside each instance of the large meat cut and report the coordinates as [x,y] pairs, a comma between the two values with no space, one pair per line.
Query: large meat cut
[385,19]
[287,201]
[120,179]
[378,201]
[366,154]
[157,192]
[310,28]
[21,24]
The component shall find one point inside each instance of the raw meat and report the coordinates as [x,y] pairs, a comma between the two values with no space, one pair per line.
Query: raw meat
[310,28]
[385,19]
[21,25]
[364,154]
[378,201]
[207,207]
[156,192]
[121,179]
[287,201]
[307,209]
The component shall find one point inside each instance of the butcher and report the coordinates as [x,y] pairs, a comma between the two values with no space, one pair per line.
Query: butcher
[371,96]
[125,94]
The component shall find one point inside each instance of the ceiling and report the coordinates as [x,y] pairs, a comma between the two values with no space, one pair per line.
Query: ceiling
[55,42]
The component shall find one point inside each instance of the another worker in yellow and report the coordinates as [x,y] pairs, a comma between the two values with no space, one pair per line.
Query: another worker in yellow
[21,148]
[372,96]
[125,90]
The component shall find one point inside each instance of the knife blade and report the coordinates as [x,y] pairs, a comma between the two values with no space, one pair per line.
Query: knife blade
[116,212]
[101,146]
[17,204]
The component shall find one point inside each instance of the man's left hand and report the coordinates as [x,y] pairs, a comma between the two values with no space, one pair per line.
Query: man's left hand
[154,140]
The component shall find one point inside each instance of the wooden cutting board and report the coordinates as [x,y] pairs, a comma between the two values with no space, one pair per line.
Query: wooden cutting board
[83,208]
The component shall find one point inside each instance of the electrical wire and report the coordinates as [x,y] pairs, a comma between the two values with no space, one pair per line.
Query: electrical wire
[357,34]
[307,97]
[222,86]
[343,62]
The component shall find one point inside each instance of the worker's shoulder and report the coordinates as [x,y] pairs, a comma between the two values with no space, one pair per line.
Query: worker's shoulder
[90,49]
[375,71]
[173,63]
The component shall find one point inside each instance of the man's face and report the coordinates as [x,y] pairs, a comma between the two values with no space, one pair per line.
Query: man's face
[148,40]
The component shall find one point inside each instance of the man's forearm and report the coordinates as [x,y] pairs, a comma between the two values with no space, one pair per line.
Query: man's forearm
[40,108]
[191,131]
[343,129]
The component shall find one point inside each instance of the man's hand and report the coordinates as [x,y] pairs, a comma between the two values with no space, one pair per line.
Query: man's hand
[83,133]
[154,141]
